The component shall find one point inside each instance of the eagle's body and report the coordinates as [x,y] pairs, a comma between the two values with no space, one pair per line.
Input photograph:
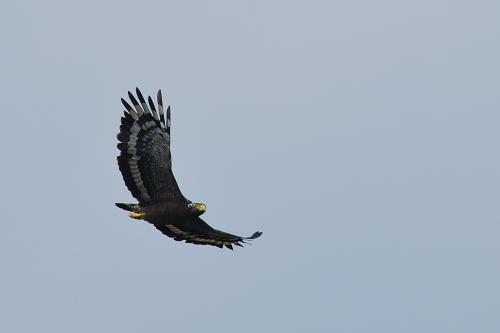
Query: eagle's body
[146,165]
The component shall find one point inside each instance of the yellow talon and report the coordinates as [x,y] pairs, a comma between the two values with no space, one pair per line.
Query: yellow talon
[137,216]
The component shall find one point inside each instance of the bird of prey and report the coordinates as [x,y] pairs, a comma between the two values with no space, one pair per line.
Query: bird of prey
[146,166]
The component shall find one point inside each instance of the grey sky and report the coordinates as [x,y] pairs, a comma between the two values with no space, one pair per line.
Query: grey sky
[360,136]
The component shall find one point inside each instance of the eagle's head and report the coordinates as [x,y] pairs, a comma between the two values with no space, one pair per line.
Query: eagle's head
[197,208]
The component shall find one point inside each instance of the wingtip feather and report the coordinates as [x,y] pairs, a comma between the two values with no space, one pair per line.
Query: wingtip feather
[133,99]
[159,97]
[139,95]
[126,105]
[255,235]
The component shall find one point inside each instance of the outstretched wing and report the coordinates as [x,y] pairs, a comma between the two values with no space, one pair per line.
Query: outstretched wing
[145,160]
[196,231]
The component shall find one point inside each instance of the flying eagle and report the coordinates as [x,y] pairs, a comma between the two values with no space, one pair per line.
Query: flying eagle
[146,166]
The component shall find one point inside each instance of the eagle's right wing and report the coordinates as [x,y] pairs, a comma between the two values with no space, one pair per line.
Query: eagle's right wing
[196,231]
[145,160]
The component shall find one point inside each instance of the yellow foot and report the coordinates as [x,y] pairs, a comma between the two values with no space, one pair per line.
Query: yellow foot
[137,216]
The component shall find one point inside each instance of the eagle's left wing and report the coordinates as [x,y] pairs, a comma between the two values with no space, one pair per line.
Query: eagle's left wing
[197,231]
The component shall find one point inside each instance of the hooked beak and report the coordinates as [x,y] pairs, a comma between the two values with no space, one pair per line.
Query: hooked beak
[200,208]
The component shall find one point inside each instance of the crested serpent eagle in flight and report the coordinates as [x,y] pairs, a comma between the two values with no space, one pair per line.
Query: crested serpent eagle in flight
[146,166]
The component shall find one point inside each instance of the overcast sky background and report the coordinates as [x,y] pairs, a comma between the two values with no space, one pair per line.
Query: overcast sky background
[360,136]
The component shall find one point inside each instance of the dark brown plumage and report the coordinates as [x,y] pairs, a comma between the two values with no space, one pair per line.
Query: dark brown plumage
[145,162]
